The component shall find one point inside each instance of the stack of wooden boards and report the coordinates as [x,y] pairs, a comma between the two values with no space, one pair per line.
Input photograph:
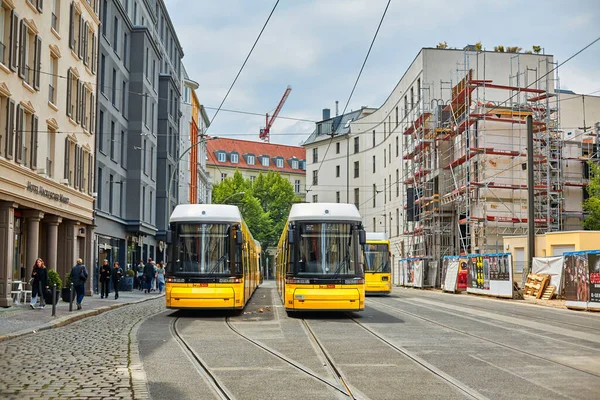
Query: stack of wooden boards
[537,286]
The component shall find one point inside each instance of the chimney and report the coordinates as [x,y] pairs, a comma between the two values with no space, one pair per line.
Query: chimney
[337,112]
[326,113]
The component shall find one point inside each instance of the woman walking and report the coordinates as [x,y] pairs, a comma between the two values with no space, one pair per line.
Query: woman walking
[160,276]
[39,282]
[117,274]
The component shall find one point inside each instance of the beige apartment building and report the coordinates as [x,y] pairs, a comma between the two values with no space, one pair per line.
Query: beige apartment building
[48,59]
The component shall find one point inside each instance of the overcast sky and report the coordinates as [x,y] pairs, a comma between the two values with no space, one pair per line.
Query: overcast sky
[318,46]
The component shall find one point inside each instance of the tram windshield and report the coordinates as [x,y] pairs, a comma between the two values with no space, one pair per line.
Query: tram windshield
[327,250]
[377,258]
[202,249]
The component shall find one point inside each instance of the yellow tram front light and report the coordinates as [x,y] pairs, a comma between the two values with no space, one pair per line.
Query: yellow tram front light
[176,280]
[293,281]
[230,280]
[354,281]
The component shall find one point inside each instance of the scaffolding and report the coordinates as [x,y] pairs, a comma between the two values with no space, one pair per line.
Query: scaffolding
[465,162]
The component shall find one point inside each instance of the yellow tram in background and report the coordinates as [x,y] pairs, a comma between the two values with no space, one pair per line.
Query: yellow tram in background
[319,260]
[213,258]
[378,275]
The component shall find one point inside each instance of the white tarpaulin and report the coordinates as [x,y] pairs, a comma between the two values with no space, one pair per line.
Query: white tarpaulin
[551,266]
[451,275]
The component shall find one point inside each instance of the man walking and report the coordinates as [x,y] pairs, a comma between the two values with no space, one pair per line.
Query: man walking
[78,276]
[117,274]
[104,279]
[149,273]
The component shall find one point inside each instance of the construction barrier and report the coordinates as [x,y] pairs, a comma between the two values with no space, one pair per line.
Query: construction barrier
[582,279]
[490,274]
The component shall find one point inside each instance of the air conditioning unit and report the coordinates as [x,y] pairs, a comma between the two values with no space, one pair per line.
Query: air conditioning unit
[64,181]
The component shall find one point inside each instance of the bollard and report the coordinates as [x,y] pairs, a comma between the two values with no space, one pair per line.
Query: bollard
[71,297]
[54,300]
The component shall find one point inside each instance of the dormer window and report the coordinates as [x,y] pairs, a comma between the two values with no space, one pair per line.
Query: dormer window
[221,157]
[294,164]
[279,162]
[234,158]
[303,165]
[264,161]
[251,160]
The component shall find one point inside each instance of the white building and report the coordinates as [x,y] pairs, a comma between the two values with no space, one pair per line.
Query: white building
[439,166]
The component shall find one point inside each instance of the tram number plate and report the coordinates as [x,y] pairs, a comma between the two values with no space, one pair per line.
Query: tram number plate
[326,286]
[200,284]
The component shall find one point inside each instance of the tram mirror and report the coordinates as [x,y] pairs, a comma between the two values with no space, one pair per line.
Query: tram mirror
[291,236]
[239,238]
[362,237]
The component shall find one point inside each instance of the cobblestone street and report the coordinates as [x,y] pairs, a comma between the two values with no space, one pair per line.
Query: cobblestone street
[95,358]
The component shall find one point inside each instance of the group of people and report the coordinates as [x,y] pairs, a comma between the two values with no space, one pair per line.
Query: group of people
[108,274]
[40,287]
[150,276]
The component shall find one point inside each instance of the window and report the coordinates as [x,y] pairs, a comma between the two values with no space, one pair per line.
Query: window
[374,225]
[337,197]
[53,79]
[356,144]
[5,31]
[390,187]
[315,155]
[115,43]
[412,98]
[397,182]
[389,125]
[101,131]
[252,178]
[405,105]
[384,185]
[26,140]
[264,160]
[297,186]
[112,140]
[144,158]
[384,158]
[55,14]
[146,110]
[234,158]
[123,98]
[73,90]
[104,16]
[337,171]
[76,31]
[114,88]
[397,146]
[294,164]
[397,119]
[111,183]
[29,55]
[50,143]
[390,153]
[151,161]
[356,198]
[356,169]
[384,130]
[418,90]
[373,138]
[102,72]
[143,203]
[397,222]
[374,196]
[135,13]
[125,49]
[7,115]
[99,185]
[315,180]
[315,198]
[337,148]
[373,164]
[147,62]
[223,176]
[123,150]
[250,160]
[279,162]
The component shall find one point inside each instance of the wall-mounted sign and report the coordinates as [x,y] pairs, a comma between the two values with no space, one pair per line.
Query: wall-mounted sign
[46,193]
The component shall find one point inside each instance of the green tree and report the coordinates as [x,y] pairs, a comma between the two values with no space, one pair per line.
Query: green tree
[478,46]
[499,49]
[592,205]
[537,49]
[228,187]
[442,45]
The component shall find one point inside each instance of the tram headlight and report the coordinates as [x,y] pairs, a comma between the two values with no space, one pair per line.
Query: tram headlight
[294,281]
[354,281]
[230,280]
[176,280]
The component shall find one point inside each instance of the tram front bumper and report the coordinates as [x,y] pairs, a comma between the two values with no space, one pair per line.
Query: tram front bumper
[317,299]
[202,297]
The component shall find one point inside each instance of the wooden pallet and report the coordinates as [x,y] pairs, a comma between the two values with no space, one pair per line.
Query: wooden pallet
[548,293]
[535,285]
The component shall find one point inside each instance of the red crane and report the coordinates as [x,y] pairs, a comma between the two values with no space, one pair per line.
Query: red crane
[265,132]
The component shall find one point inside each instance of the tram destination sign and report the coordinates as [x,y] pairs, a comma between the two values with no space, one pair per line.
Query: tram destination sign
[39,189]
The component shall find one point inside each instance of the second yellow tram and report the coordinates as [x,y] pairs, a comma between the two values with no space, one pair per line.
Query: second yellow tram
[319,259]
[378,274]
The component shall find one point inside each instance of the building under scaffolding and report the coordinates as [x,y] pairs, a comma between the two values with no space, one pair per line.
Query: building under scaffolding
[465,169]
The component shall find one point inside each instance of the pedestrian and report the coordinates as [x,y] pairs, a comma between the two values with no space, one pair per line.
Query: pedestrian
[105,275]
[154,279]
[79,276]
[148,275]
[140,275]
[160,276]
[38,282]
[117,274]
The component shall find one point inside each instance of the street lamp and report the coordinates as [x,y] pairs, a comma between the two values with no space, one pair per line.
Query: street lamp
[228,197]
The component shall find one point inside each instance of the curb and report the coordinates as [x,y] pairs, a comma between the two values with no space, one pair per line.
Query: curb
[62,321]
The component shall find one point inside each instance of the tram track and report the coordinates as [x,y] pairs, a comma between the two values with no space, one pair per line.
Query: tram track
[504,345]
[219,389]
[341,388]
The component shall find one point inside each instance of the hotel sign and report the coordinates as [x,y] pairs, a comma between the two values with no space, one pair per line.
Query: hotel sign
[46,193]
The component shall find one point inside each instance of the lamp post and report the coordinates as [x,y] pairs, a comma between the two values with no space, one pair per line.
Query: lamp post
[228,197]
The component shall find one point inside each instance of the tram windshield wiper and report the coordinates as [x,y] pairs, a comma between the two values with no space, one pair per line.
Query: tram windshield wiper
[216,266]
[345,261]
[381,267]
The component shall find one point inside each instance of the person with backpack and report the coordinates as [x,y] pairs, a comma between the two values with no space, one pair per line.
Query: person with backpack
[117,274]
[79,276]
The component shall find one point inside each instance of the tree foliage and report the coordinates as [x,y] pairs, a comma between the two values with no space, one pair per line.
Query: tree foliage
[442,45]
[537,49]
[592,205]
[265,204]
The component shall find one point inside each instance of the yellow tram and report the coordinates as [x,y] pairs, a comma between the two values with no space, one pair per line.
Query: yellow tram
[378,275]
[213,258]
[319,259]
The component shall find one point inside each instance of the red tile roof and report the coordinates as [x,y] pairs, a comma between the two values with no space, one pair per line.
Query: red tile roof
[244,147]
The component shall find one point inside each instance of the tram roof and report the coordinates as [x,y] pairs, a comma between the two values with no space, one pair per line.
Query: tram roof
[376,236]
[215,213]
[324,212]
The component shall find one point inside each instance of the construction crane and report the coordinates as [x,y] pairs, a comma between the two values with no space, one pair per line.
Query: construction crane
[265,132]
